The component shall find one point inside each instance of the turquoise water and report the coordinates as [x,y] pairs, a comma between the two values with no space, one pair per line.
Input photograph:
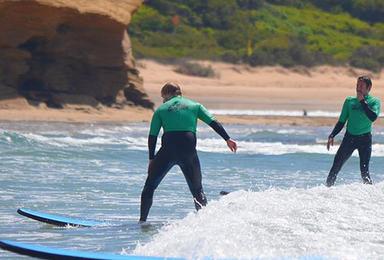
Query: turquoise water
[277,207]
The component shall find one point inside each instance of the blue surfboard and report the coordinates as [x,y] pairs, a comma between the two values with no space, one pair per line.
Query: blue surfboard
[45,252]
[58,220]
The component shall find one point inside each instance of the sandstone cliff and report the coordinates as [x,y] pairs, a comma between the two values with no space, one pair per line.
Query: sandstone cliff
[64,52]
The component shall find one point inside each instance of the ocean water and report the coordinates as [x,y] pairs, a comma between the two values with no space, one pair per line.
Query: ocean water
[277,206]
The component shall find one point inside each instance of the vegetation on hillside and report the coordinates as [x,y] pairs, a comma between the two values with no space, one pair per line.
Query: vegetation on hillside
[263,32]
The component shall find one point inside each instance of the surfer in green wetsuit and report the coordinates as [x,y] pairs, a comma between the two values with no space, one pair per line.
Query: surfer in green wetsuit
[360,112]
[178,117]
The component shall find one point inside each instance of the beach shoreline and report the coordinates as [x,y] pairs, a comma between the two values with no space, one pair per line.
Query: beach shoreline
[235,88]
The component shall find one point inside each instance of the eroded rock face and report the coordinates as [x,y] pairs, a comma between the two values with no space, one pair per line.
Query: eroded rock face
[69,51]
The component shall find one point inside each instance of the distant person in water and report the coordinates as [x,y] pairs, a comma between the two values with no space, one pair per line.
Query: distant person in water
[360,111]
[178,118]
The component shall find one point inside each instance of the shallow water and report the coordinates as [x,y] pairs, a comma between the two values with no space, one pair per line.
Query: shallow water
[277,207]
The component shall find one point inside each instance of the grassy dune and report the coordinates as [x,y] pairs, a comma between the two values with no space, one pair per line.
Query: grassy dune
[260,32]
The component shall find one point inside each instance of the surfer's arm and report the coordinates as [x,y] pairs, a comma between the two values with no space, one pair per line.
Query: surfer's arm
[219,129]
[338,127]
[368,111]
[209,119]
[153,133]
[342,119]
[152,140]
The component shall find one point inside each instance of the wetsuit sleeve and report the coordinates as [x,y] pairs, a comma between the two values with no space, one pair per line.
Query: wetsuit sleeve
[344,112]
[155,124]
[219,129]
[371,113]
[342,119]
[152,146]
[153,133]
[338,127]
[204,115]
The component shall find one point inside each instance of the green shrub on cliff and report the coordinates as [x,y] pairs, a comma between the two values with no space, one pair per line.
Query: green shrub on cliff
[368,57]
[195,69]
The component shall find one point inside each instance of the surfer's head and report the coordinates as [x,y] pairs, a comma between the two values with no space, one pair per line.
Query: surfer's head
[170,90]
[363,85]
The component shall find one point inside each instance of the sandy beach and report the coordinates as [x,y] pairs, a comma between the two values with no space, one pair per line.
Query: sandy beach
[235,87]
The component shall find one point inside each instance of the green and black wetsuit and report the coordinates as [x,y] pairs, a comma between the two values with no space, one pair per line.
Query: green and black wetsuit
[360,116]
[178,118]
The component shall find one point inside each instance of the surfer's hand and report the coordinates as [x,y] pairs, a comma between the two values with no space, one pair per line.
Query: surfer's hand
[232,145]
[329,143]
[360,95]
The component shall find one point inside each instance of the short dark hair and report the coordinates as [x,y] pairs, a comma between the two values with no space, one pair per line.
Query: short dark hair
[366,79]
[171,89]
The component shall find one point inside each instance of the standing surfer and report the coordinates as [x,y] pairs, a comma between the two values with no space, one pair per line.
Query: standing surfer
[178,118]
[360,111]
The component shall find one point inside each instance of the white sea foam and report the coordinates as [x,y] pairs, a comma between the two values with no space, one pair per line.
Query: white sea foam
[314,113]
[275,148]
[214,145]
[139,142]
[343,222]
[68,140]
[290,131]
[249,130]
[120,130]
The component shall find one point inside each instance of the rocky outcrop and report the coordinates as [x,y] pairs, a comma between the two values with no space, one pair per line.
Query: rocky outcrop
[69,51]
